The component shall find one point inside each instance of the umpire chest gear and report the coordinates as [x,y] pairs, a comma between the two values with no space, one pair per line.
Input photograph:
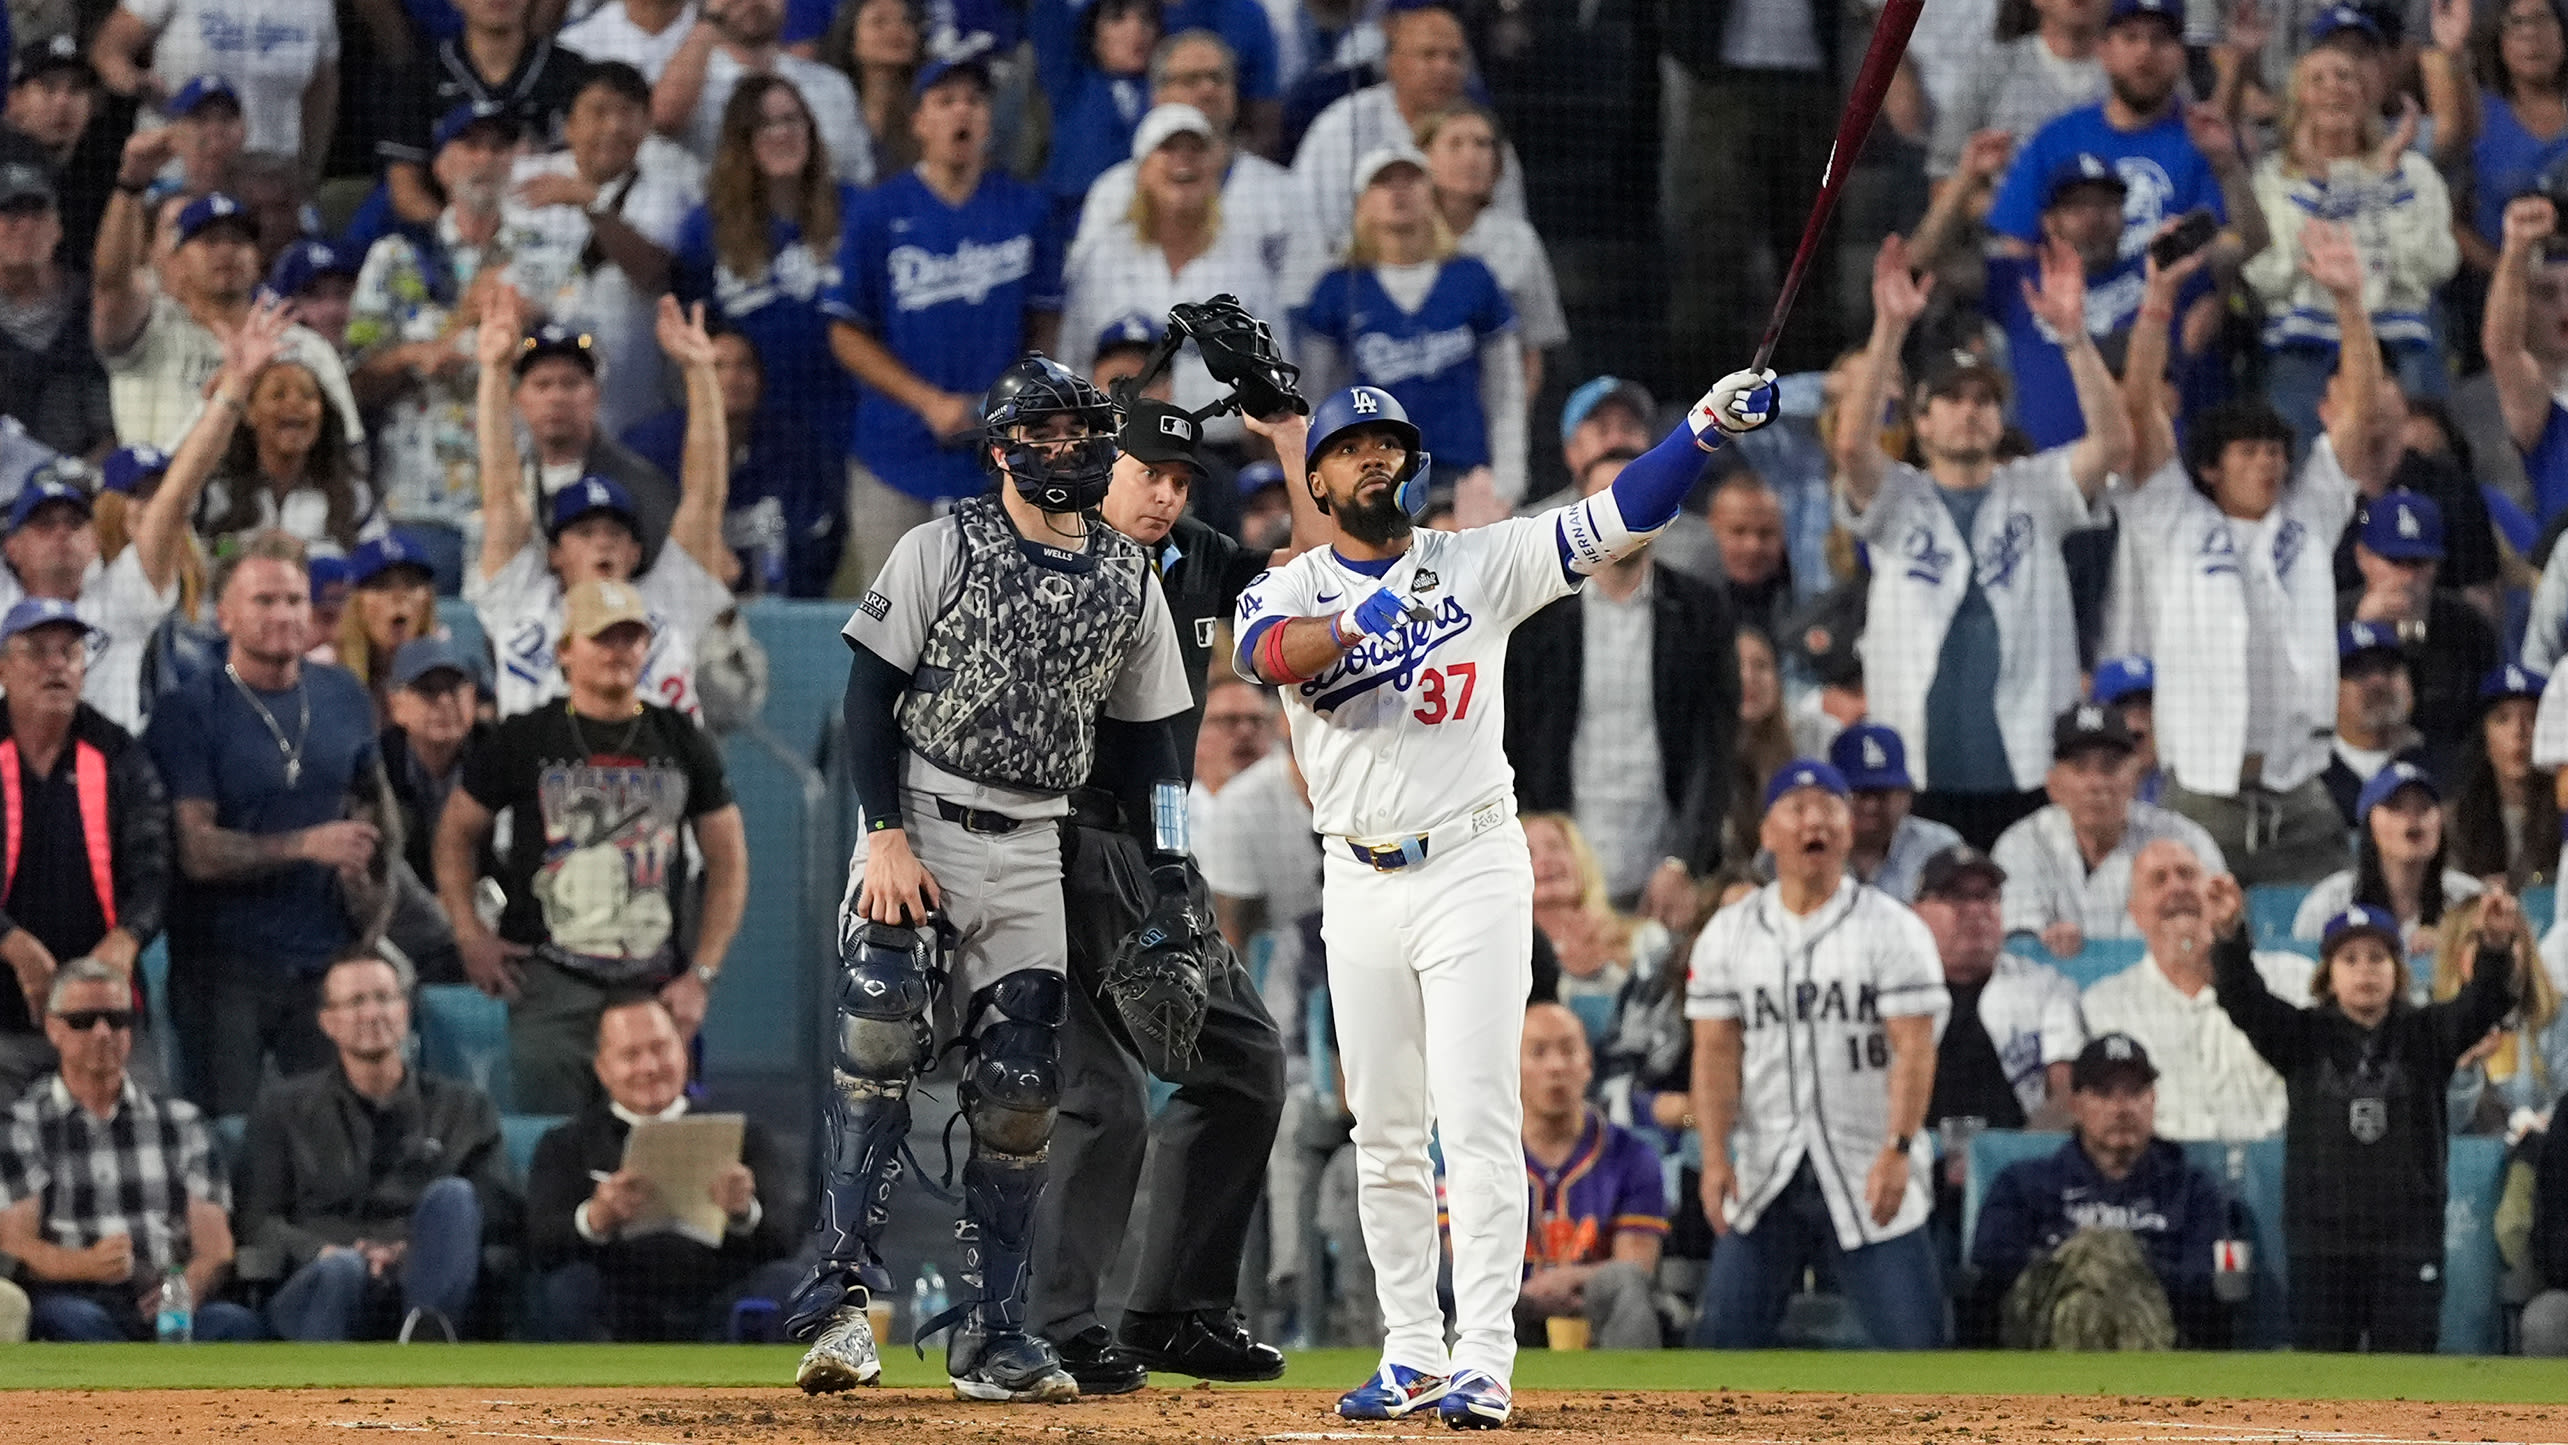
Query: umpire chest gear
[1020,662]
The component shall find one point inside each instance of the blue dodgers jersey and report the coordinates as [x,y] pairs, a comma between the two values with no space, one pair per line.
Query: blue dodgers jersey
[946,289]
[2046,401]
[2167,177]
[780,313]
[1428,358]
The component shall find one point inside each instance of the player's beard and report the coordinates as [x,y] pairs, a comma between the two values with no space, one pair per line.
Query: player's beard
[1375,523]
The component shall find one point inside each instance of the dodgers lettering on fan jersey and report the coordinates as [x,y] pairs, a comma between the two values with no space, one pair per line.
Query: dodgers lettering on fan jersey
[946,289]
[1404,733]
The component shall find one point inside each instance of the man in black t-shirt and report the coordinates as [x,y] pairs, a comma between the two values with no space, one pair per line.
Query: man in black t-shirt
[593,873]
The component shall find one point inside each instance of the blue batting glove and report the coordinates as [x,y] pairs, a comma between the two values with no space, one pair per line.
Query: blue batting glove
[1378,615]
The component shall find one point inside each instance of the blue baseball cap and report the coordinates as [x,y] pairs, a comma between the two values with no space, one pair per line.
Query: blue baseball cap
[34,612]
[968,55]
[2337,19]
[2403,527]
[44,489]
[306,261]
[2354,637]
[127,468]
[1870,758]
[383,554]
[1595,392]
[1133,328]
[325,571]
[211,210]
[1803,773]
[2171,12]
[593,494]
[2083,169]
[197,91]
[2509,681]
[1258,476]
[2117,678]
[2387,782]
[2355,920]
[469,114]
[421,656]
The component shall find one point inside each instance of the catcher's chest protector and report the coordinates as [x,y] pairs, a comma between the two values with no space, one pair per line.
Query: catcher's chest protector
[1008,688]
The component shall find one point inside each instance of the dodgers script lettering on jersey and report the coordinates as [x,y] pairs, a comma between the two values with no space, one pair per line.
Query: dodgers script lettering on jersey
[1405,732]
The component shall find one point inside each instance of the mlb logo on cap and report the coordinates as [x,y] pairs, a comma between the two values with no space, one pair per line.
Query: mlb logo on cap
[1176,426]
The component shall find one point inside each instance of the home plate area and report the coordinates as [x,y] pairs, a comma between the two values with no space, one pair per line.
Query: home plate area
[1248,1417]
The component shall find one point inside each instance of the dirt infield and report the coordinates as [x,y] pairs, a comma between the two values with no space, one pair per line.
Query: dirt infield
[1250,1417]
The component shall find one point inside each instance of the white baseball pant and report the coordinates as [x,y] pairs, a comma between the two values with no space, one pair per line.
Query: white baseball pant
[1428,970]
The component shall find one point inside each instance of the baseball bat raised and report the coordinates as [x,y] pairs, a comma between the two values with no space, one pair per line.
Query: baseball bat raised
[1863,104]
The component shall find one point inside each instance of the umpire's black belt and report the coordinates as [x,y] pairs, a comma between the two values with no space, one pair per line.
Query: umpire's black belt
[978,820]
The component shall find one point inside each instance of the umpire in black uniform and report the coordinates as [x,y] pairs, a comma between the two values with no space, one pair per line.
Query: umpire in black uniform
[1207,1149]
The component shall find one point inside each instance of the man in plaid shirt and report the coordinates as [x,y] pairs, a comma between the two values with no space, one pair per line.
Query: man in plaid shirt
[103,1187]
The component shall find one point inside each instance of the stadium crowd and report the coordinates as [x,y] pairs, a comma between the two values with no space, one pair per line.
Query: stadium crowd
[2157,554]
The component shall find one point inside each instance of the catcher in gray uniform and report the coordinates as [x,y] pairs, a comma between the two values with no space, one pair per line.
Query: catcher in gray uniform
[1001,652]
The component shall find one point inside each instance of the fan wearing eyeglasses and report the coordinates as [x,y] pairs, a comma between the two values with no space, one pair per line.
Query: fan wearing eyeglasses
[86,828]
[104,1186]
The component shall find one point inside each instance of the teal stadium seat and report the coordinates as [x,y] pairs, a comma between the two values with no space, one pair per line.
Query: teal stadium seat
[2101,958]
[2271,907]
[521,1133]
[2540,907]
[463,1034]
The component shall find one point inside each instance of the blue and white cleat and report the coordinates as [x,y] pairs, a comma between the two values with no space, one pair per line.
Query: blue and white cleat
[1394,1391]
[1474,1400]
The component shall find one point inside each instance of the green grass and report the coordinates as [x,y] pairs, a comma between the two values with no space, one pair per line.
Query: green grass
[500,1367]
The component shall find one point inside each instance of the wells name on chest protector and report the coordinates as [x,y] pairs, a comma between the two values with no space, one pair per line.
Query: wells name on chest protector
[1008,688]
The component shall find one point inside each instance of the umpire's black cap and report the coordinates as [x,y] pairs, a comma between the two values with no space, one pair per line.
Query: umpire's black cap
[1154,431]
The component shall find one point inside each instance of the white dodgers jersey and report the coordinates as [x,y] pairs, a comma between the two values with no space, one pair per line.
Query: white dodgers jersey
[1405,732]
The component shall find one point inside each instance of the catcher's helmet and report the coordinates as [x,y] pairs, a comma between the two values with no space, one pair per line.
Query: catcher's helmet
[1075,474]
[1371,406]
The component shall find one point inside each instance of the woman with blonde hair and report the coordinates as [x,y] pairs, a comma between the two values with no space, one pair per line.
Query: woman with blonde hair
[2523,1063]
[1410,314]
[1466,154]
[1175,245]
[392,598]
[2335,162]
[1599,946]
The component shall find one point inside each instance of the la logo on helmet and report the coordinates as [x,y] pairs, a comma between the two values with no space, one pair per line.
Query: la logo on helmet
[1365,405]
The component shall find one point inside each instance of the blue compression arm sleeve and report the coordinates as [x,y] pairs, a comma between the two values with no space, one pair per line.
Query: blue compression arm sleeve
[1654,484]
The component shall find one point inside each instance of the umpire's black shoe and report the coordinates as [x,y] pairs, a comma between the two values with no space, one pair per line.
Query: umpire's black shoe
[1099,1364]
[1208,1344]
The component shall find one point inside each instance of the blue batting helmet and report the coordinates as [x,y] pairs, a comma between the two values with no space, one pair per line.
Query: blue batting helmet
[1372,406]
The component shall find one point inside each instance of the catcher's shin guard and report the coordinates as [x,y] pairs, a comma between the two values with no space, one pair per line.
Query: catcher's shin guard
[1011,1091]
[886,993]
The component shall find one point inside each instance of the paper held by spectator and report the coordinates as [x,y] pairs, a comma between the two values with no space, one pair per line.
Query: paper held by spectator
[680,1158]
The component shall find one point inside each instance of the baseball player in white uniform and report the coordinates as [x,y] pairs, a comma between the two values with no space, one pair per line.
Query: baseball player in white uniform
[1390,648]
[1816,1004]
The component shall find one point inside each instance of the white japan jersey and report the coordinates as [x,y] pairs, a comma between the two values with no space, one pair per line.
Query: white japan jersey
[521,611]
[1405,733]
[1810,994]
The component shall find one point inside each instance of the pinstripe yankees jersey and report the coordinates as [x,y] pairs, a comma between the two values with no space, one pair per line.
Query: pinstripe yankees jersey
[1810,994]
[2048,880]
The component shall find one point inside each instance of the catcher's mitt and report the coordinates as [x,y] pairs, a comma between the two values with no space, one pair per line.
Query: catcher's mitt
[1157,976]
